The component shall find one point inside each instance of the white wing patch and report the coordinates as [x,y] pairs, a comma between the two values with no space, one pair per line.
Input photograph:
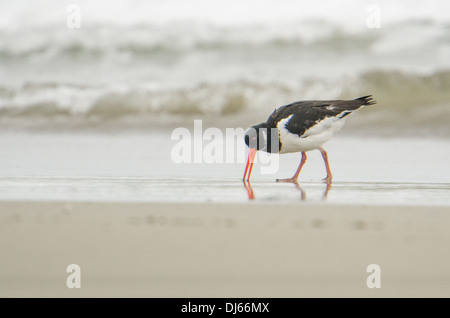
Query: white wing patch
[343,114]
[324,125]
[313,138]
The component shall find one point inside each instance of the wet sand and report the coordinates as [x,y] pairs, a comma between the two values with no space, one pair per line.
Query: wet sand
[137,167]
[250,249]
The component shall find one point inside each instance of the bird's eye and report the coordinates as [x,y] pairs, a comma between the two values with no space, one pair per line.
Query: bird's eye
[250,137]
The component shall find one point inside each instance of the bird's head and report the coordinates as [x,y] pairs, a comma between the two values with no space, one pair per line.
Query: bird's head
[256,137]
[260,137]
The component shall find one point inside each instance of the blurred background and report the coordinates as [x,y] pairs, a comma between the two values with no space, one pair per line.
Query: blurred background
[90,92]
[161,63]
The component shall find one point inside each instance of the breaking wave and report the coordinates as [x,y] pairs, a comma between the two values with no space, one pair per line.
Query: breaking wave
[166,61]
[146,40]
[400,97]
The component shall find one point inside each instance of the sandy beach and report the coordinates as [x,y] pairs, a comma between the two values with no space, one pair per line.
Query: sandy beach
[222,250]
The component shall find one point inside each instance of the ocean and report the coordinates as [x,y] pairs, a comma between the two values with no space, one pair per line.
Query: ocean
[159,63]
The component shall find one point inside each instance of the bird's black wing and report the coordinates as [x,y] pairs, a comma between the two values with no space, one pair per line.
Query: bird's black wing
[306,114]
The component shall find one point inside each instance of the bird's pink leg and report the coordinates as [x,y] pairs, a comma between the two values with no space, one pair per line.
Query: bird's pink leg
[327,165]
[300,166]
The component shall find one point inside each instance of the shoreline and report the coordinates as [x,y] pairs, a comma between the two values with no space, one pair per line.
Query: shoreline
[222,250]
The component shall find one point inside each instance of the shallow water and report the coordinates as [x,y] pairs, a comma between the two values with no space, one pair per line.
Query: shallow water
[220,190]
[138,167]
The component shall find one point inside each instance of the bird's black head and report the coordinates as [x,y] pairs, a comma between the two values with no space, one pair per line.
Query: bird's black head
[262,137]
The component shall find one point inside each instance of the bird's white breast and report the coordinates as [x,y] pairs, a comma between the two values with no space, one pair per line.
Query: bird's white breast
[313,138]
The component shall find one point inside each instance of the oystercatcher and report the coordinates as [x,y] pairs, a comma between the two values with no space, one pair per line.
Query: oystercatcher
[300,127]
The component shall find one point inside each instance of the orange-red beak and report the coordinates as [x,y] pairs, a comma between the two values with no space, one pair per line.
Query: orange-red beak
[249,166]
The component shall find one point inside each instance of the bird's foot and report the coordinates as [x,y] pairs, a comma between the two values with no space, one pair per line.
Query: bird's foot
[290,180]
[328,179]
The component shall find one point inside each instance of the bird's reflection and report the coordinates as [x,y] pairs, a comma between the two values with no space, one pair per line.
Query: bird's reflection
[248,187]
[251,193]
[303,193]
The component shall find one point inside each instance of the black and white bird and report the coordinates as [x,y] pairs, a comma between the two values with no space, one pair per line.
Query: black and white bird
[301,127]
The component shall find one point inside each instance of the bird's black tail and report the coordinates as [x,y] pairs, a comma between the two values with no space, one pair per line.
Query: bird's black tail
[368,100]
